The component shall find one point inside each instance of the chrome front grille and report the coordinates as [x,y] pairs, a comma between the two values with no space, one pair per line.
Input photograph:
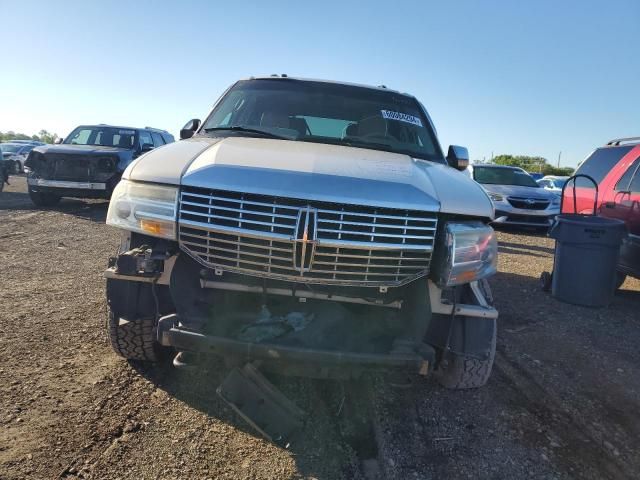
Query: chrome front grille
[305,241]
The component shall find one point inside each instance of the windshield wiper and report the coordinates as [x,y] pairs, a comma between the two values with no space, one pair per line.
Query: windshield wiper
[237,128]
[347,142]
[352,142]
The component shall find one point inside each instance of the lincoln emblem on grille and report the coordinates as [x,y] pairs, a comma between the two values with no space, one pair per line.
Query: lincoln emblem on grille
[304,242]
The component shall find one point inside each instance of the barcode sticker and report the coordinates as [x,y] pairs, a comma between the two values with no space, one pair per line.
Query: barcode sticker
[401,117]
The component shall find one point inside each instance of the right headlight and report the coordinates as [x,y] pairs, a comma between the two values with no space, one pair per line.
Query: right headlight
[496,197]
[471,253]
[143,207]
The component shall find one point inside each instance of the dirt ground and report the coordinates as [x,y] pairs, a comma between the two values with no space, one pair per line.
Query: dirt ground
[563,400]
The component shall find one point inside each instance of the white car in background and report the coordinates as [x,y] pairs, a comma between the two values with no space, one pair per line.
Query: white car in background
[517,199]
[553,183]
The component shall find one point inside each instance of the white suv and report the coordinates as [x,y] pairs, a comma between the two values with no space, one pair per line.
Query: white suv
[312,226]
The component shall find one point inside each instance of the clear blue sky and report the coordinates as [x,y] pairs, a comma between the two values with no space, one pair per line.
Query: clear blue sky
[531,78]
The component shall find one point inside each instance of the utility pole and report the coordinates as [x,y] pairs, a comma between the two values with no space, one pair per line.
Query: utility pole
[559,155]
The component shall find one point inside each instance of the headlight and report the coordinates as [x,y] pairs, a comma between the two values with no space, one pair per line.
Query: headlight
[144,208]
[472,253]
[556,200]
[496,197]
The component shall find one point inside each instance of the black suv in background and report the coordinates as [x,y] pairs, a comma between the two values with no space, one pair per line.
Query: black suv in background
[89,162]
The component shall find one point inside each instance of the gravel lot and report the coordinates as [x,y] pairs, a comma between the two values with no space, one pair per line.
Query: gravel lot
[563,401]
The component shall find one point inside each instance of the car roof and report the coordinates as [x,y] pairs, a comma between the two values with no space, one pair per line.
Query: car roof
[122,127]
[626,141]
[333,82]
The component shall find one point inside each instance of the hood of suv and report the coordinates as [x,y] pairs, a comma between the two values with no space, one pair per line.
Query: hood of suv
[84,149]
[125,155]
[537,193]
[313,171]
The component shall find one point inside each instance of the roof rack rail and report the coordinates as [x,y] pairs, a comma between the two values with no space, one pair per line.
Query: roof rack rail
[618,141]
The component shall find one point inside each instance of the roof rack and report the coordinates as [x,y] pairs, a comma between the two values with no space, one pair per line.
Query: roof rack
[156,129]
[618,141]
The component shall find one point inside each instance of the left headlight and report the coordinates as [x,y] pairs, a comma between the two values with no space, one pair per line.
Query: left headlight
[471,253]
[145,208]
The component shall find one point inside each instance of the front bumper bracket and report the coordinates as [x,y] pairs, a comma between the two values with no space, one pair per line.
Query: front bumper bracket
[171,334]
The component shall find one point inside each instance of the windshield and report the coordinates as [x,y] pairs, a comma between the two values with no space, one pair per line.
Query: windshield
[103,136]
[8,148]
[327,113]
[559,182]
[503,176]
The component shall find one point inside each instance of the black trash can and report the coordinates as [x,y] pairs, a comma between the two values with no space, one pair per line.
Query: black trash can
[586,256]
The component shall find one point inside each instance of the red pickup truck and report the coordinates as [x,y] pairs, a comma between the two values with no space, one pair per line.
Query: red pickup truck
[616,169]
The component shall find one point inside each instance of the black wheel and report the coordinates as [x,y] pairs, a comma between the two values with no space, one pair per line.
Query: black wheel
[620,278]
[545,281]
[41,199]
[135,339]
[133,321]
[462,372]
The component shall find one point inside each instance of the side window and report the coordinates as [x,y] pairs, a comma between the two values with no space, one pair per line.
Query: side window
[600,163]
[635,184]
[623,183]
[81,137]
[145,137]
[157,139]
[544,183]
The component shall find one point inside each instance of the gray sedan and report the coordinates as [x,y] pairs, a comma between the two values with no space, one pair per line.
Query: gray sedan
[516,197]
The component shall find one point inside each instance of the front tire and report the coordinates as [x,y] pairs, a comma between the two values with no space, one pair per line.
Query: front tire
[460,372]
[42,199]
[133,321]
[134,339]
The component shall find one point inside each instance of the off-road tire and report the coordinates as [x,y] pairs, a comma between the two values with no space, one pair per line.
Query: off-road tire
[41,199]
[460,372]
[135,339]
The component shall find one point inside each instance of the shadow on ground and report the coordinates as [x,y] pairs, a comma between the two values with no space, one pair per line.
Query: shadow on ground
[319,449]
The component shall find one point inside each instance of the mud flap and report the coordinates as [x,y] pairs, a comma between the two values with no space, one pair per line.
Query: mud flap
[470,337]
[261,404]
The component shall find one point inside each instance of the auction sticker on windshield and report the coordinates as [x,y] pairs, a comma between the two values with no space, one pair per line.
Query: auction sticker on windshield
[401,117]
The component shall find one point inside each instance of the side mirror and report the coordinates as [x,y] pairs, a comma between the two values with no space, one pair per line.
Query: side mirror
[146,147]
[190,128]
[58,141]
[458,157]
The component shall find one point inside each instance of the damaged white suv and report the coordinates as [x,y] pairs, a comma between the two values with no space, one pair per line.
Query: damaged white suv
[312,227]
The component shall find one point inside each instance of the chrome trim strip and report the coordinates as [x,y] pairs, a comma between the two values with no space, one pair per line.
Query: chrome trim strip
[40,182]
[239,287]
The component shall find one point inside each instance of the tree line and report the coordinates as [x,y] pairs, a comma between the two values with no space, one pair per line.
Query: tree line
[532,164]
[42,136]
